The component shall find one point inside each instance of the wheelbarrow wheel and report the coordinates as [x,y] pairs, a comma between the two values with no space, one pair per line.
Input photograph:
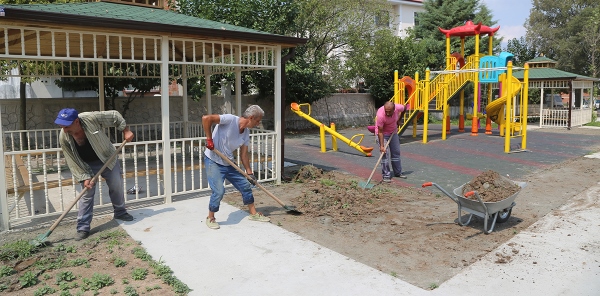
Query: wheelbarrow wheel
[504,215]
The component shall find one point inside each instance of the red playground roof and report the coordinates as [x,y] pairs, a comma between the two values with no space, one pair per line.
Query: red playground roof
[470,29]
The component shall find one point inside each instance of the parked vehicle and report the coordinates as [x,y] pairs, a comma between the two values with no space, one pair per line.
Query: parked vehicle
[553,101]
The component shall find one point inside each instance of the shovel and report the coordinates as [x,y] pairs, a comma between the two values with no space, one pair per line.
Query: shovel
[40,239]
[367,185]
[290,209]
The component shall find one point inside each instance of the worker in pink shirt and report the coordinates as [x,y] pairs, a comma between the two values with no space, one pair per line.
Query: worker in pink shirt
[389,117]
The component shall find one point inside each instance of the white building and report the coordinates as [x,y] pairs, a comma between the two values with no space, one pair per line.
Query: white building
[404,14]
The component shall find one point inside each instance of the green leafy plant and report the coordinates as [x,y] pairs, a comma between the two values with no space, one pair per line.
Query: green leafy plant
[64,276]
[120,262]
[78,262]
[139,274]
[327,182]
[433,286]
[3,287]
[45,290]
[28,279]
[130,291]
[20,249]
[6,271]
[98,281]
[140,253]
[394,274]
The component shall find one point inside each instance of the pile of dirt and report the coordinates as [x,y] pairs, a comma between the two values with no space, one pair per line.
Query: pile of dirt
[333,195]
[491,187]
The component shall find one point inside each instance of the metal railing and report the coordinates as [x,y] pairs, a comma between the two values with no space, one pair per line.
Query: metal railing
[39,183]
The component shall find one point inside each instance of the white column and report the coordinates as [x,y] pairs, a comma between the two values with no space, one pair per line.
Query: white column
[184,97]
[238,85]
[101,85]
[277,118]
[208,94]
[164,107]
[4,215]
[541,104]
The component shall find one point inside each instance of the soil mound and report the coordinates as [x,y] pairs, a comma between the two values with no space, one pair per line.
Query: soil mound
[491,187]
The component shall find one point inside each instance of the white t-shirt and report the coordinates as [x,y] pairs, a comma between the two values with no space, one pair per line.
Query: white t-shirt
[227,138]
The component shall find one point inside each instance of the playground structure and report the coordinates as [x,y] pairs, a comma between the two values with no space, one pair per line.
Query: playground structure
[509,110]
[331,130]
[433,93]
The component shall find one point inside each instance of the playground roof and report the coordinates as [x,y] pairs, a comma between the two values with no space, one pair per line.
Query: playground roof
[98,15]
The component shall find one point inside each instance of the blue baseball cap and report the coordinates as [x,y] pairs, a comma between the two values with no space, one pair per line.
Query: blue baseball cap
[66,116]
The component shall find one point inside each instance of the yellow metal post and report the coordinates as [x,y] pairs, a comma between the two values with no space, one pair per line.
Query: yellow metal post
[475,123]
[333,138]
[415,103]
[508,122]
[396,88]
[525,105]
[322,133]
[425,100]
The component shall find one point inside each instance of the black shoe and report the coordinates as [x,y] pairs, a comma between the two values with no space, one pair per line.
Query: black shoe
[124,217]
[401,175]
[81,235]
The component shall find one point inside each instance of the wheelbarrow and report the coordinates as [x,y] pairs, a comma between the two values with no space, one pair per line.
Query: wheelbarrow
[496,211]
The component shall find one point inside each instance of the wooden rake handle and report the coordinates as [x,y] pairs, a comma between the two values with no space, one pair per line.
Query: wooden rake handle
[96,176]
[246,175]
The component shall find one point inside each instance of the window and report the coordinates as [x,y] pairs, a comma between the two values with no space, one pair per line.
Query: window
[416,19]
[382,19]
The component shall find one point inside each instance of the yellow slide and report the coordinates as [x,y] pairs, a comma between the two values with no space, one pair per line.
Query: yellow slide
[494,109]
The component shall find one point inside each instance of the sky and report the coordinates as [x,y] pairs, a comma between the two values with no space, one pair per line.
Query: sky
[510,15]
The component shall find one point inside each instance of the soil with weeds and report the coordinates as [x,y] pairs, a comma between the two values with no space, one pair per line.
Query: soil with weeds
[410,232]
[109,262]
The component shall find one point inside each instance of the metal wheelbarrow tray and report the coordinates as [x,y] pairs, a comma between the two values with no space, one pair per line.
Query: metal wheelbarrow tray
[498,211]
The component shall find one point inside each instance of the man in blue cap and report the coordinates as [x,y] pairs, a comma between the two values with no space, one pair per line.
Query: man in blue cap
[87,148]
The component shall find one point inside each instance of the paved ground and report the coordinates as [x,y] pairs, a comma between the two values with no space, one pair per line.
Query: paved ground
[260,258]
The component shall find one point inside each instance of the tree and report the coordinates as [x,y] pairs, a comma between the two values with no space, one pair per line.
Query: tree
[376,59]
[447,15]
[330,27]
[560,29]
[522,50]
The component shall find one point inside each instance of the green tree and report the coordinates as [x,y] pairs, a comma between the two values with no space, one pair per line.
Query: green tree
[331,27]
[447,15]
[560,30]
[522,50]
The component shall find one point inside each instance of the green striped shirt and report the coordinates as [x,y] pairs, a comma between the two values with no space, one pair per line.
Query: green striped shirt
[93,124]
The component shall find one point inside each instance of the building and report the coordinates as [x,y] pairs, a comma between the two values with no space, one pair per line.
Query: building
[404,14]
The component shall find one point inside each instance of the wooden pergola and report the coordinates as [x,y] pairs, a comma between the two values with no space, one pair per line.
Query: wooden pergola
[88,39]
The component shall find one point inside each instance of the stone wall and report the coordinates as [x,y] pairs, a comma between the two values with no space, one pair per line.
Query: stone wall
[342,109]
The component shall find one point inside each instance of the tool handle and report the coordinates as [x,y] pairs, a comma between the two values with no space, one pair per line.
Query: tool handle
[96,176]
[247,177]
[379,160]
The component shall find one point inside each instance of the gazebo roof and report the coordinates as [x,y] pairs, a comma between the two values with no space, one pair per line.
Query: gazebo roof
[551,74]
[99,15]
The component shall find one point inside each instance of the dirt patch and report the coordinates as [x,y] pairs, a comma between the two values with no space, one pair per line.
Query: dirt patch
[409,232]
[109,262]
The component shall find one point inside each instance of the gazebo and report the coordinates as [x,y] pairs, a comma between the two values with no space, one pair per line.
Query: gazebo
[544,76]
[91,40]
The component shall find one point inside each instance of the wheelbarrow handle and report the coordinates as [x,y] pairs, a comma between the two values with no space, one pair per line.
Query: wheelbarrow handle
[452,197]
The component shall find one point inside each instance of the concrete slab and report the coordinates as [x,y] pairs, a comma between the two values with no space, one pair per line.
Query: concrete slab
[250,257]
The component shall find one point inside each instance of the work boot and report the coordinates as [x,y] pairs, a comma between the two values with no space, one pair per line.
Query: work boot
[124,217]
[387,179]
[81,234]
